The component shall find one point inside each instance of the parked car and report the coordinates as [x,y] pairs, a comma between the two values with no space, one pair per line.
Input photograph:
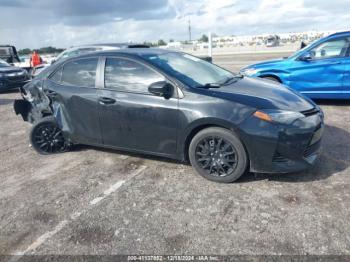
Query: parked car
[273,40]
[83,49]
[174,105]
[319,70]
[24,63]
[11,76]
[8,53]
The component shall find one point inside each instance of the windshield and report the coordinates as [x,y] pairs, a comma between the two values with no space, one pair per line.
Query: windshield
[3,63]
[303,49]
[190,70]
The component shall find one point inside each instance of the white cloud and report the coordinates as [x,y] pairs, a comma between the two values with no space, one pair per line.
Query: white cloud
[24,26]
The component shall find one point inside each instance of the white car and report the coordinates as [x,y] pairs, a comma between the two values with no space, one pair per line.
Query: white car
[78,50]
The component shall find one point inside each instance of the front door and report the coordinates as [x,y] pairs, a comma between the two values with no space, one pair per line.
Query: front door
[323,73]
[130,116]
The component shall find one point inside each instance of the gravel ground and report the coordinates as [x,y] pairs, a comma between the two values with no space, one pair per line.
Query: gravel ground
[97,201]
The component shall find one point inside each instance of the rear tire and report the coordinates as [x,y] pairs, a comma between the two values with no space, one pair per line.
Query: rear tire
[218,155]
[47,138]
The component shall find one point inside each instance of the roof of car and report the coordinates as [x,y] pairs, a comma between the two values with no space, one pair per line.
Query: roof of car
[339,33]
[116,45]
[132,51]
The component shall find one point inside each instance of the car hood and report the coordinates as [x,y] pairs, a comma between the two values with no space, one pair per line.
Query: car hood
[267,63]
[10,69]
[264,94]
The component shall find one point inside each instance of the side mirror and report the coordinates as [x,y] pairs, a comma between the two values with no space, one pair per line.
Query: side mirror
[53,61]
[307,56]
[161,88]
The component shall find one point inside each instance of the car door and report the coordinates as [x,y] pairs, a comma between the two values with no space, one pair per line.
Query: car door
[72,88]
[346,77]
[322,73]
[130,116]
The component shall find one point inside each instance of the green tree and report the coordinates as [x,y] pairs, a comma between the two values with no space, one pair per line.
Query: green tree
[161,42]
[204,39]
[25,51]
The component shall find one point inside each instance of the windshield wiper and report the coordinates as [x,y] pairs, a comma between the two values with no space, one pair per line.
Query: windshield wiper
[223,83]
[229,79]
[211,85]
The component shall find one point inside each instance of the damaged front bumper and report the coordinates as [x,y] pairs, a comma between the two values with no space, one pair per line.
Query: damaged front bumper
[283,148]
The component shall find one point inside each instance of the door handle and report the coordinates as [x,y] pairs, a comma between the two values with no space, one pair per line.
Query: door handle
[106,100]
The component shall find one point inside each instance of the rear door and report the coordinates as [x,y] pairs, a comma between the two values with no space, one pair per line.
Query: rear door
[323,74]
[131,117]
[73,91]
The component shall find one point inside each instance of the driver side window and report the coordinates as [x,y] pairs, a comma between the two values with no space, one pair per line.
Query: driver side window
[329,49]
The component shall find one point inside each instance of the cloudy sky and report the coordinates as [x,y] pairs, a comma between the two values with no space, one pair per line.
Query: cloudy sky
[63,23]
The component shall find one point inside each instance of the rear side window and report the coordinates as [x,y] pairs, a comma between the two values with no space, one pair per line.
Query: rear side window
[129,76]
[80,72]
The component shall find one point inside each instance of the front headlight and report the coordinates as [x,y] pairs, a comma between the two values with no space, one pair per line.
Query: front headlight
[250,71]
[278,116]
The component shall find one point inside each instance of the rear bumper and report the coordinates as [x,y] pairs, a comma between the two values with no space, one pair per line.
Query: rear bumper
[283,149]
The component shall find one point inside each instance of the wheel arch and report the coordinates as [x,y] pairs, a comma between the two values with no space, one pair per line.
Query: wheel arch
[273,76]
[201,125]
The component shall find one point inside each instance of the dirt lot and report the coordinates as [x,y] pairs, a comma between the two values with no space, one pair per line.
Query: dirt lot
[95,201]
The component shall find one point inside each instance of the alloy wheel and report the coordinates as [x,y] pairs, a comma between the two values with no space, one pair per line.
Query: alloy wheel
[48,138]
[217,156]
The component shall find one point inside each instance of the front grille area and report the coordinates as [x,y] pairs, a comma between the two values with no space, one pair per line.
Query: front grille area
[311,149]
[278,158]
[310,112]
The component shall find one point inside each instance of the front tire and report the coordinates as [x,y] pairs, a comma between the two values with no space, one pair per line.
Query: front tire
[47,138]
[218,155]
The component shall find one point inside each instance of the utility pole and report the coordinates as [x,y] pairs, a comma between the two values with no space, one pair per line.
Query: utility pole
[210,45]
[189,30]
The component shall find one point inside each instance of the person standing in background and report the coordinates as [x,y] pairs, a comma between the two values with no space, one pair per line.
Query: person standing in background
[35,60]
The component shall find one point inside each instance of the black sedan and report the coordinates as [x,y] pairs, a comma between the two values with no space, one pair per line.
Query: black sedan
[174,105]
[11,76]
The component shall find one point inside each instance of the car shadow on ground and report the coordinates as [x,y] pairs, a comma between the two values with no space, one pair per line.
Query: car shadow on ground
[334,158]
[127,153]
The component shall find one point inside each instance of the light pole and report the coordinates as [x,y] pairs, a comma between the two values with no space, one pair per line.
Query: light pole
[210,44]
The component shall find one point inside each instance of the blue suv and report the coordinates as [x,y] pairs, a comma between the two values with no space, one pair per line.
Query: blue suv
[320,70]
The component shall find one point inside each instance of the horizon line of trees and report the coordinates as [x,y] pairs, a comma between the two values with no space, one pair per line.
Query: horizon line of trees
[53,50]
[43,50]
